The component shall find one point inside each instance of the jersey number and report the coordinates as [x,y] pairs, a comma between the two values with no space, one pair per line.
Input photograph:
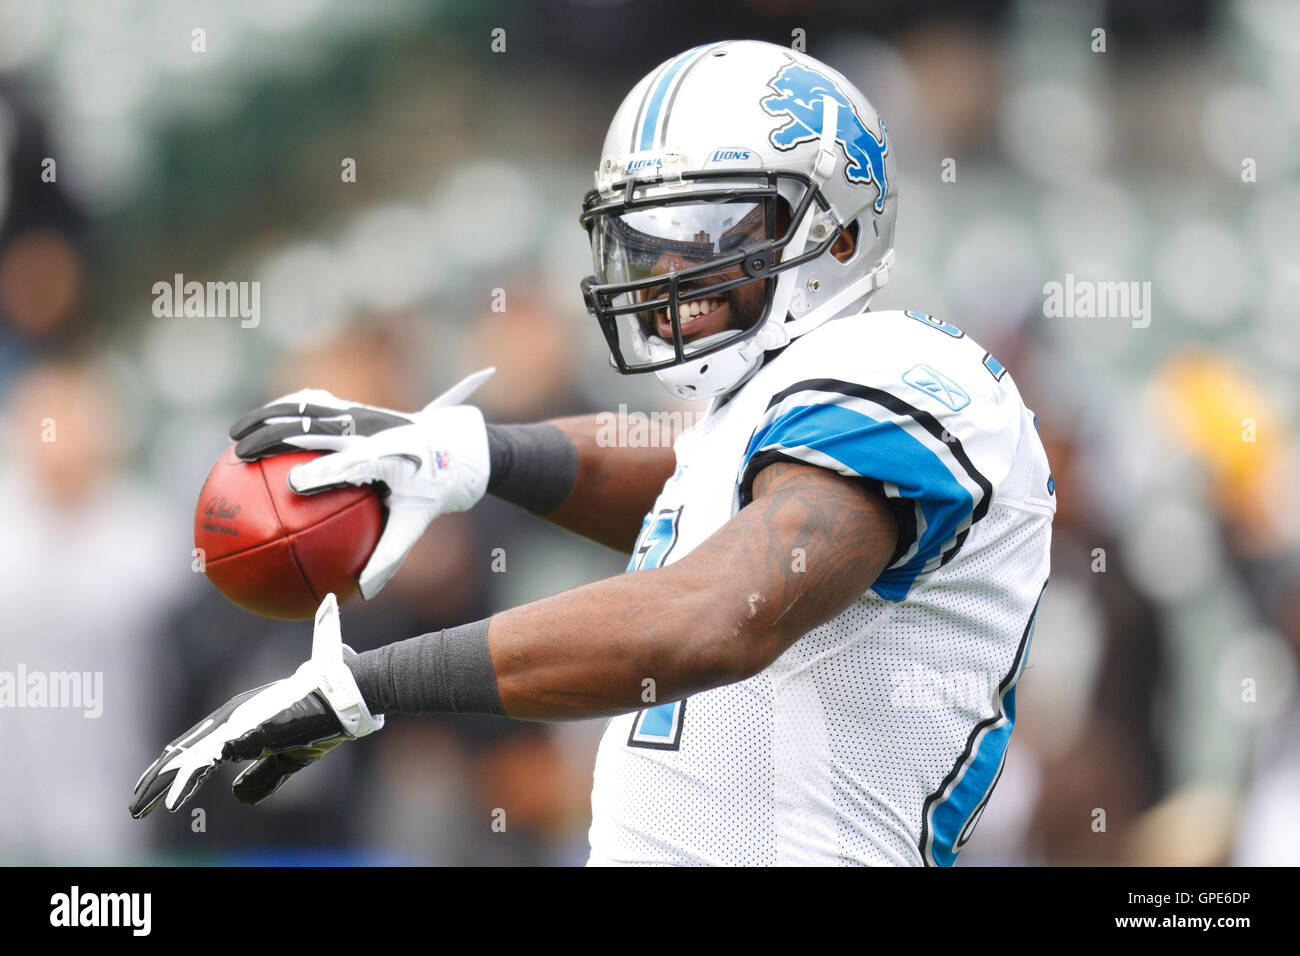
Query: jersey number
[659,727]
[993,365]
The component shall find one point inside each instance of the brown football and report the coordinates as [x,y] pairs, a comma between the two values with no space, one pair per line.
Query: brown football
[278,553]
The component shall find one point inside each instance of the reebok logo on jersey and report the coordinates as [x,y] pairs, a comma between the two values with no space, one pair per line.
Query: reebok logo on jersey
[938,386]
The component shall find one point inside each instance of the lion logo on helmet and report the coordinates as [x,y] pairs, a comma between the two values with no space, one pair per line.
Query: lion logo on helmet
[799,95]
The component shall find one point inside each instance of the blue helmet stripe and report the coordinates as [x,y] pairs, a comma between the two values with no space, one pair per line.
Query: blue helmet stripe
[661,91]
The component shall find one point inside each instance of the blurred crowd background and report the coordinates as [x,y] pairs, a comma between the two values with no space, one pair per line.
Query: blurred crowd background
[1159,717]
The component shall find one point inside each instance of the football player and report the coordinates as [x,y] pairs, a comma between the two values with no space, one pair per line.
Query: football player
[834,575]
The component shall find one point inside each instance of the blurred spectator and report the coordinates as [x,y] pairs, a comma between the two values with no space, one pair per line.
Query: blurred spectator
[42,268]
[90,559]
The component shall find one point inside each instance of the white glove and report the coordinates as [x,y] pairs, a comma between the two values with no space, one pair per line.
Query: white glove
[433,462]
[283,726]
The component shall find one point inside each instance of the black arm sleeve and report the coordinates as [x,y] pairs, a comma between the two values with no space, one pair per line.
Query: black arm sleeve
[442,672]
[533,466]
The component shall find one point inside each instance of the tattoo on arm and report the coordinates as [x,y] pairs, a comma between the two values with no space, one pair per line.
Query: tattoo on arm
[813,542]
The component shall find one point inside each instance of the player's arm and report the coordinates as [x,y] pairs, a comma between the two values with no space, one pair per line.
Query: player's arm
[810,544]
[562,471]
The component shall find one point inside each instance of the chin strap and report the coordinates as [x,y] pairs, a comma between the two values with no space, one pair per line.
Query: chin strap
[855,290]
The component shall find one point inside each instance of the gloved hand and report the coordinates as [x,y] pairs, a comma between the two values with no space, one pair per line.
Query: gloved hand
[283,726]
[433,462]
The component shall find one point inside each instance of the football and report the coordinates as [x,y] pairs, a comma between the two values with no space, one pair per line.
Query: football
[275,552]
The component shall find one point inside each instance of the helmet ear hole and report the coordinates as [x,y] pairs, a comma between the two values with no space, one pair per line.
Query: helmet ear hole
[841,249]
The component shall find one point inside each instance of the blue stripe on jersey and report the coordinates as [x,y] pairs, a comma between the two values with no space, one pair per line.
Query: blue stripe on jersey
[657,99]
[969,795]
[951,819]
[883,451]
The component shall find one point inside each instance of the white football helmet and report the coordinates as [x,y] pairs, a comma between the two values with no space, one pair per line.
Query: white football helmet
[726,177]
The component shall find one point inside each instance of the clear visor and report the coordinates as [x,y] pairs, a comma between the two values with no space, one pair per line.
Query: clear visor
[665,242]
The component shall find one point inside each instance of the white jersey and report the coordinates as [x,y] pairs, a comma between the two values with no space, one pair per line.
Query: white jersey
[878,737]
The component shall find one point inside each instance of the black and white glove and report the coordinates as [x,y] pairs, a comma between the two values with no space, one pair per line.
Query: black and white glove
[433,462]
[282,726]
